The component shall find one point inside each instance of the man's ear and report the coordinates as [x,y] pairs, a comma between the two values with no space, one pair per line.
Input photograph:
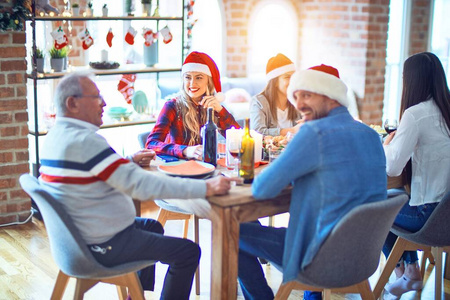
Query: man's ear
[72,104]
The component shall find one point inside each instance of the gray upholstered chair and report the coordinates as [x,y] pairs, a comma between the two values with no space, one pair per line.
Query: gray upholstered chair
[434,238]
[169,212]
[142,138]
[351,253]
[72,255]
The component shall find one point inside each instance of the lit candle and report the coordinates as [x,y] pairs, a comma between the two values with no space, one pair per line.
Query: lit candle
[258,146]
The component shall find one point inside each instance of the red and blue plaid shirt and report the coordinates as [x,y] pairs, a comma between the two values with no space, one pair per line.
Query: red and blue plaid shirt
[169,136]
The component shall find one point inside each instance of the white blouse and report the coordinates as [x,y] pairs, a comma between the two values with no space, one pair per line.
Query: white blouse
[423,136]
[282,116]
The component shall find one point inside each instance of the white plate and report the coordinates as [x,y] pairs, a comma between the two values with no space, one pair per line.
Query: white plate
[171,168]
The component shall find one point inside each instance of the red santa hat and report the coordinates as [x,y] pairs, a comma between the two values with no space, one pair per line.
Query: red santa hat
[278,65]
[201,62]
[323,80]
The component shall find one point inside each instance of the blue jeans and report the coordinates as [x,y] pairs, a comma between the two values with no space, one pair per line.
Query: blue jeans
[144,240]
[264,242]
[411,218]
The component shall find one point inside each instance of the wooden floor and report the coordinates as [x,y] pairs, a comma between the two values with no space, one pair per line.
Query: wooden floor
[27,270]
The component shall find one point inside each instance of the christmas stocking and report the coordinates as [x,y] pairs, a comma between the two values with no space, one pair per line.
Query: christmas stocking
[129,36]
[149,36]
[109,37]
[126,86]
[86,38]
[60,38]
[167,36]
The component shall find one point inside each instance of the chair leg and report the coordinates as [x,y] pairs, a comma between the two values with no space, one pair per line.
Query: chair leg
[60,286]
[437,253]
[284,291]
[365,291]
[423,263]
[326,294]
[122,292]
[162,216]
[134,286]
[197,241]
[185,228]
[392,261]
[82,286]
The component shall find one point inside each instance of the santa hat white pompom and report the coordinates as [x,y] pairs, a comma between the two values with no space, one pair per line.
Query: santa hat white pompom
[220,97]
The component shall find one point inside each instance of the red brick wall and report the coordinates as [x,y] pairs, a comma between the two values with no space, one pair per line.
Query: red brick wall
[419,31]
[14,203]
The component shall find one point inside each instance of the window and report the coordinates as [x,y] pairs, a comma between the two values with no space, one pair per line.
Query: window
[207,33]
[440,35]
[396,53]
[272,29]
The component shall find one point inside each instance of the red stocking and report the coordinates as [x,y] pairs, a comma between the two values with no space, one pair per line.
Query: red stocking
[129,36]
[126,86]
[109,37]
[166,34]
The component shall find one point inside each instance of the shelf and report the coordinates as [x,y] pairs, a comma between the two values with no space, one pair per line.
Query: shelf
[112,18]
[110,123]
[126,69]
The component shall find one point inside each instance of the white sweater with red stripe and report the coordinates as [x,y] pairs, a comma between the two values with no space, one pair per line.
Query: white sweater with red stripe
[96,185]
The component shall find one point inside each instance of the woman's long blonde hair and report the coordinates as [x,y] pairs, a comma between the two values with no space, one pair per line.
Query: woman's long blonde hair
[193,118]
[271,93]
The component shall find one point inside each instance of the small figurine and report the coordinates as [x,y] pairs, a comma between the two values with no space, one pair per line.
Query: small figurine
[43,5]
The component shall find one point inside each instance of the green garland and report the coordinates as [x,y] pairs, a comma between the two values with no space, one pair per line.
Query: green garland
[13,18]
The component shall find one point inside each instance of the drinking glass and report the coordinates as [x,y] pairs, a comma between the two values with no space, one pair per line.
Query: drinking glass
[233,147]
[390,125]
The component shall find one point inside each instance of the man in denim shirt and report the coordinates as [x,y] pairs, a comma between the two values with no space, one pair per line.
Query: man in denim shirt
[334,164]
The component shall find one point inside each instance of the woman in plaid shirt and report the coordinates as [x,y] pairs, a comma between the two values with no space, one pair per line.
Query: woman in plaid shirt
[177,130]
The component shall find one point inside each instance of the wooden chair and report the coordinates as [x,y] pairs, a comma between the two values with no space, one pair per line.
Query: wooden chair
[433,238]
[169,212]
[350,254]
[72,255]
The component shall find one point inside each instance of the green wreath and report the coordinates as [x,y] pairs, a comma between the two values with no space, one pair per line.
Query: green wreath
[14,18]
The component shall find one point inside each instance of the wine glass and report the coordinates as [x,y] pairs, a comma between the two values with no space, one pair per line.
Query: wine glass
[390,125]
[233,147]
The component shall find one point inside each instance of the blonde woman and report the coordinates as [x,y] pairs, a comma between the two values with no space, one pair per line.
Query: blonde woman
[177,130]
[270,111]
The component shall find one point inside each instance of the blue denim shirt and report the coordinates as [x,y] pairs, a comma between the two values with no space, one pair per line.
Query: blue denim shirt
[334,164]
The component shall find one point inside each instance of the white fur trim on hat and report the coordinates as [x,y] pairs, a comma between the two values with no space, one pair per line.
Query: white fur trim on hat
[280,71]
[195,67]
[320,83]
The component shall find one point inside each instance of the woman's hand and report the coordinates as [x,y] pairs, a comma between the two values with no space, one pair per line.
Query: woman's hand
[194,152]
[211,101]
[389,138]
[143,157]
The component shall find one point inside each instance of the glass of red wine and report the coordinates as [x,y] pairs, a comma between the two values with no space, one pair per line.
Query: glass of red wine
[233,147]
[390,125]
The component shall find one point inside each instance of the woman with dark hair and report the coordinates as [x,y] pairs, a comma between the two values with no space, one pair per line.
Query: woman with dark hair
[420,147]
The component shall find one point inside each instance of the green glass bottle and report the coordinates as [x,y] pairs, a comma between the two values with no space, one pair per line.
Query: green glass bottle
[247,155]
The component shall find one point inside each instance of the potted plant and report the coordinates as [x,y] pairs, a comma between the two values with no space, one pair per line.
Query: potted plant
[89,9]
[75,9]
[129,7]
[39,54]
[105,10]
[58,58]
[146,7]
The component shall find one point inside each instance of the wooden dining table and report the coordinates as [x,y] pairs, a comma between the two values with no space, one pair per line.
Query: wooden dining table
[226,213]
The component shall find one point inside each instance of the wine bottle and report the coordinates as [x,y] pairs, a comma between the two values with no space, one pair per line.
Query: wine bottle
[247,155]
[209,139]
